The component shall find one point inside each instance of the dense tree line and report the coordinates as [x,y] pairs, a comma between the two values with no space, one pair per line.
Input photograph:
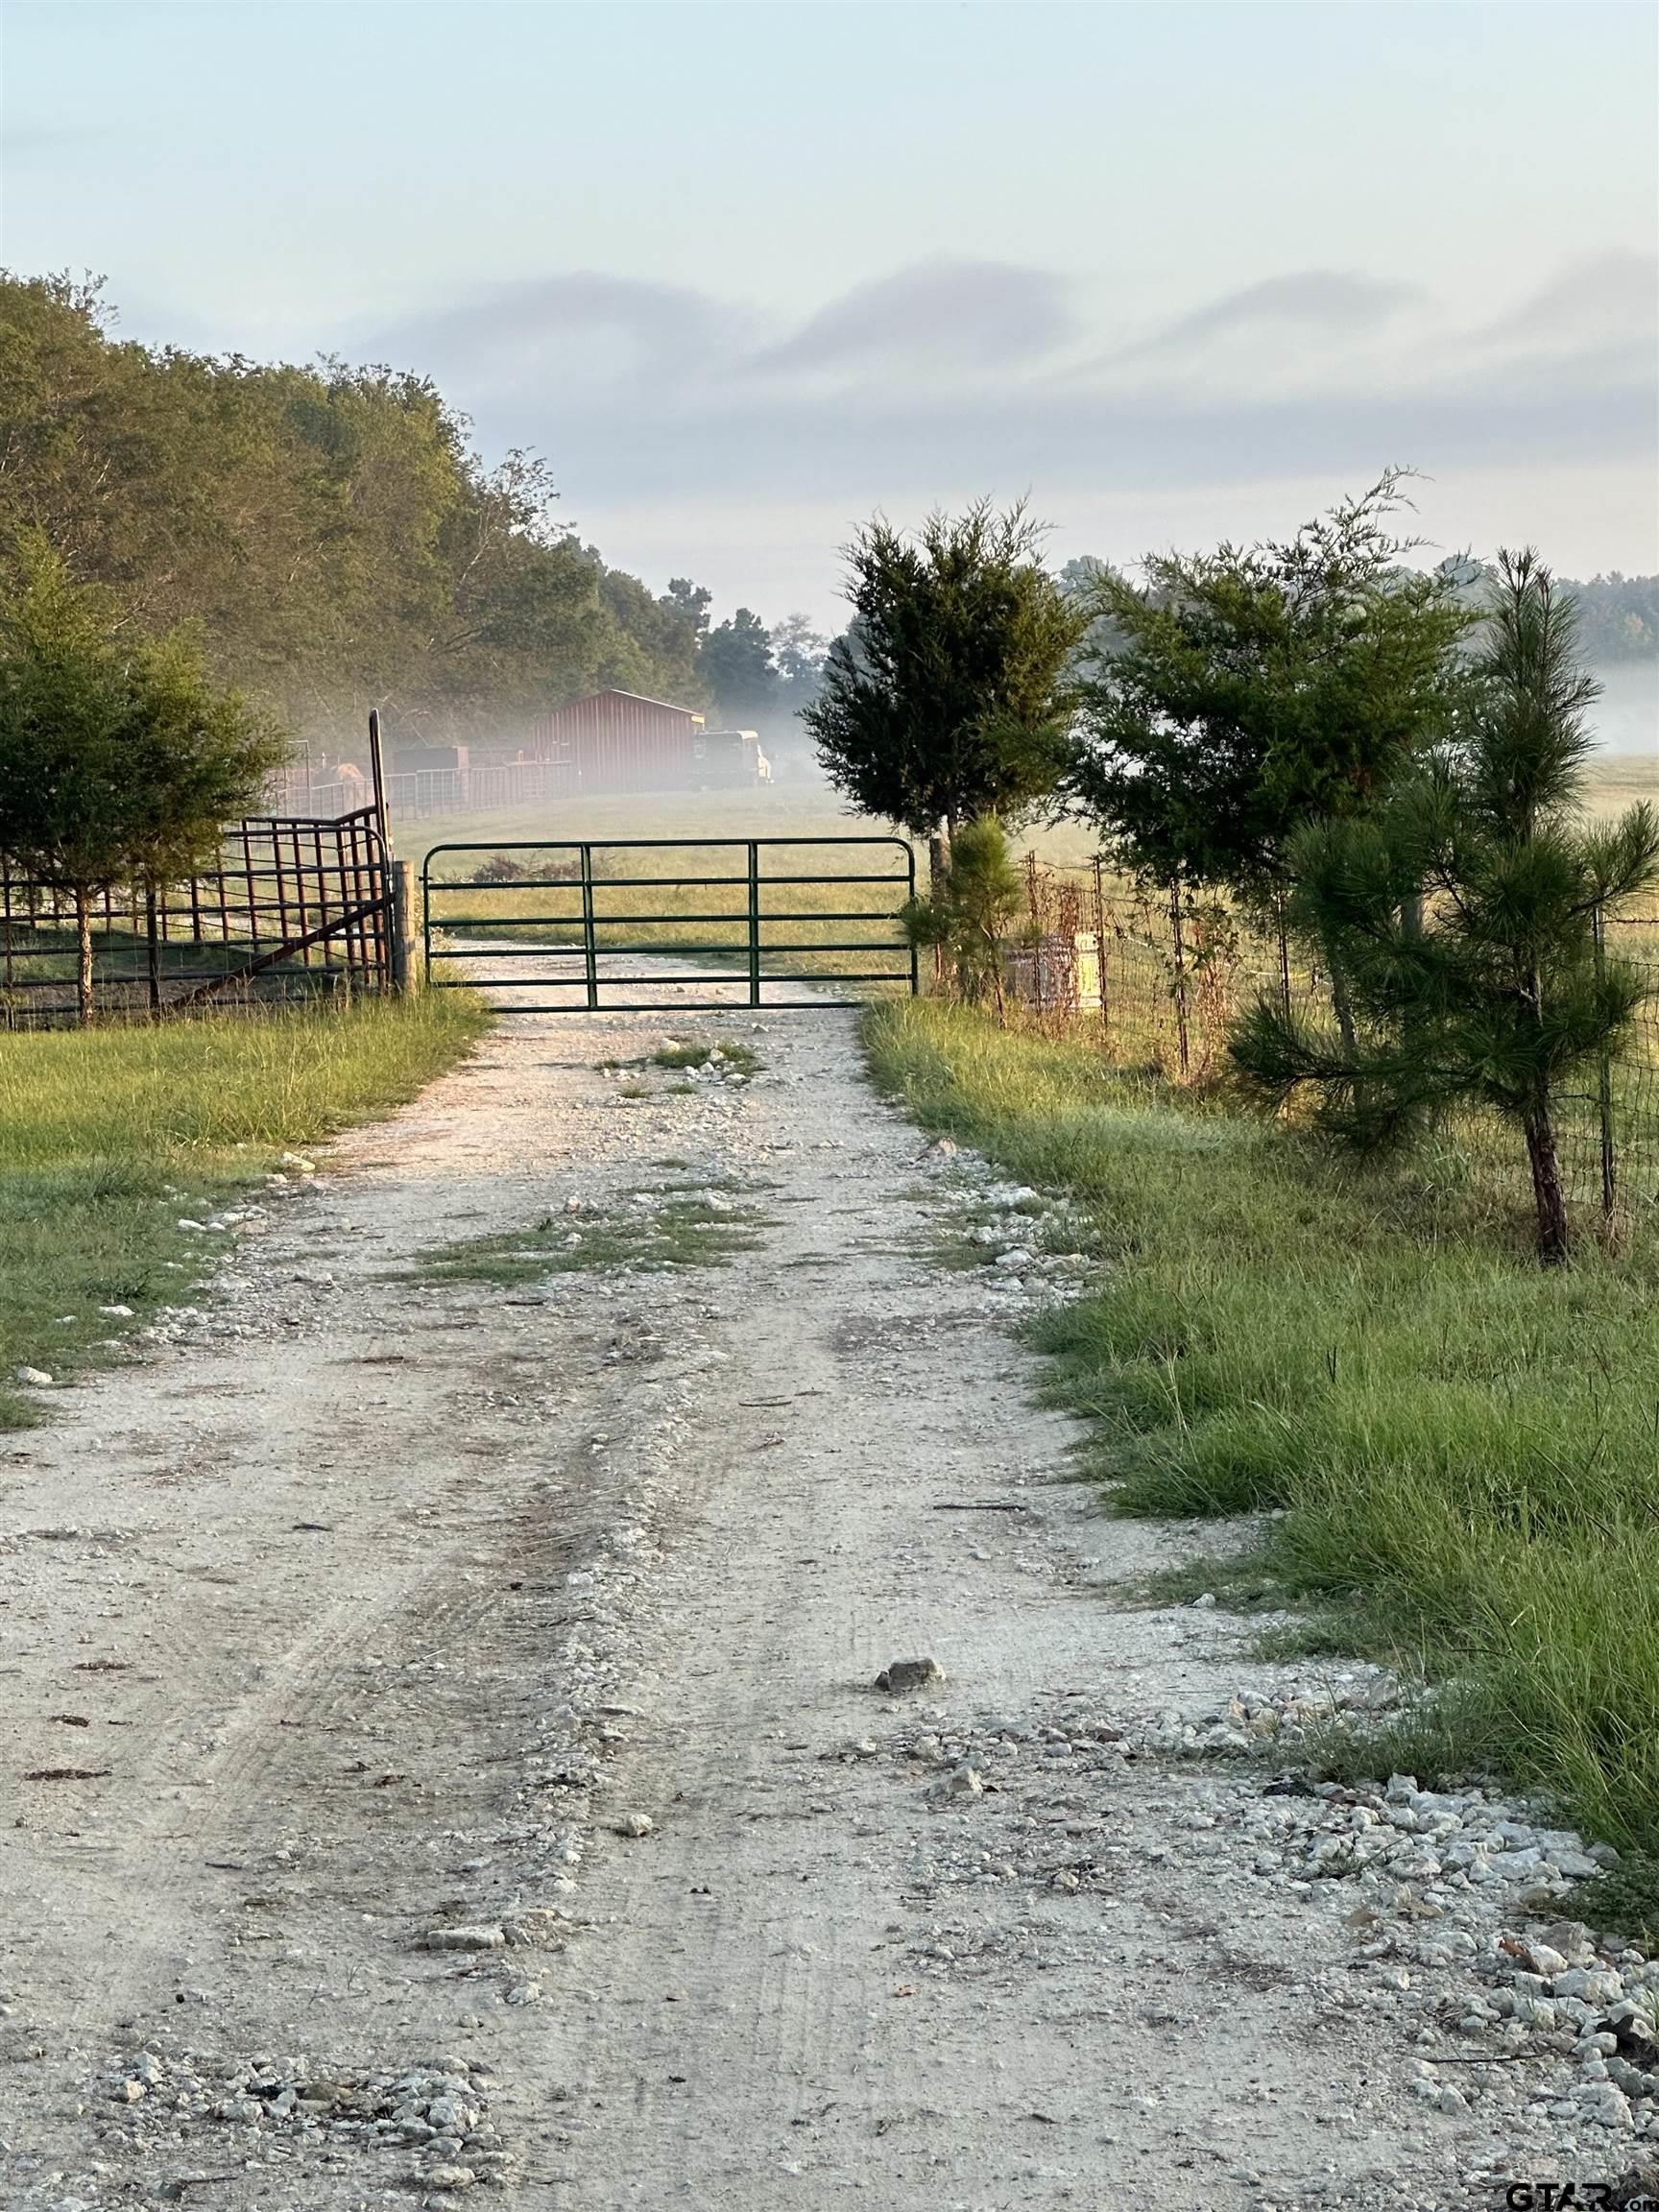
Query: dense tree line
[755,678]
[333,538]
[1618,617]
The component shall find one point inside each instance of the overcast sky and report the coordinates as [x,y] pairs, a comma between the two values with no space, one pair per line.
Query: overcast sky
[745,272]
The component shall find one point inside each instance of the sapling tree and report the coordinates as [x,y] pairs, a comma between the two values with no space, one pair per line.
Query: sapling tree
[1465,913]
[950,698]
[968,913]
[120,759]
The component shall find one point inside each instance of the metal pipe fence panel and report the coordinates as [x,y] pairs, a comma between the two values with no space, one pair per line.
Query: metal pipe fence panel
[418,794]
[293,908]
[577,908]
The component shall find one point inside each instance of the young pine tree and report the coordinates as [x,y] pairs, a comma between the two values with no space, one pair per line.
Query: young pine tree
[969,911]
[1464,912]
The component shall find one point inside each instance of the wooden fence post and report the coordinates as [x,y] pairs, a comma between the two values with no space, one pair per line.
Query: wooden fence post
[405,961]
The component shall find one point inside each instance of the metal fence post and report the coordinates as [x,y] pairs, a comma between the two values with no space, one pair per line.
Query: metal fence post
[1100,944]
[590,950]
[754,922]
[1605,1080]
[152,951]
[1034,902]
[426,918]
[377,769]
[910,900]
[1182,1045]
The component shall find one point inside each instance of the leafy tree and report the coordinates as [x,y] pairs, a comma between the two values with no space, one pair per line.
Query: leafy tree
[120,759]
[950,698]
[329,529]
[1084,581]
[737,661]
[1239,693]
[652,644]
[1496,992]
[689,603]
[800,652]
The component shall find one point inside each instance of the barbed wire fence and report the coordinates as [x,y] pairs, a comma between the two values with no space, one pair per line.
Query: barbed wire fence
[1155,981]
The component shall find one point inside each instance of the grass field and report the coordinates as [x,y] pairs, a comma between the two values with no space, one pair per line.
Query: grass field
[1613,780]
[109,1137]
[1618,780]
[802,811]
[1465,1447]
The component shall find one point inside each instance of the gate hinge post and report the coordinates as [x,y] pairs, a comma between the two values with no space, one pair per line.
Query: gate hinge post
[406,973]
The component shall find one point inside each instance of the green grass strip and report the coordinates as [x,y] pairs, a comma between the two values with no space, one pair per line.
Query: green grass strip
[1465,1447]
[108,1137]
[652,1231]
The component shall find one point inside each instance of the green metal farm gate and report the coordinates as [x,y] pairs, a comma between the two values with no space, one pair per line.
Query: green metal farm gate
[571,909]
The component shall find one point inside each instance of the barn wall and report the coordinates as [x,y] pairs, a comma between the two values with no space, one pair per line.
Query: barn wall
[617,743]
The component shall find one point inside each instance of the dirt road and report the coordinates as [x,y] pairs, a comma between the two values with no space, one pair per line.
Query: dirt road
[477,1776]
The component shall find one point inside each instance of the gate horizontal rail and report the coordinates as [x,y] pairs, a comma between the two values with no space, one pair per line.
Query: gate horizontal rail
[581,925]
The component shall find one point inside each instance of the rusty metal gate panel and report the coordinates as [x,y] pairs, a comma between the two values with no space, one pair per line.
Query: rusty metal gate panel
[292,907]
[556,902]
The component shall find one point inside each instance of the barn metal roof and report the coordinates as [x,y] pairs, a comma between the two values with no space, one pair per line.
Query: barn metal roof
[616,691]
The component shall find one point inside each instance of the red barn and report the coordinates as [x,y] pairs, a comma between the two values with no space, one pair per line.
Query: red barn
[617,741]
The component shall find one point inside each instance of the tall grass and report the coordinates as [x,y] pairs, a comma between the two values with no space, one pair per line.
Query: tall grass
[98,1127]
[1466,1446]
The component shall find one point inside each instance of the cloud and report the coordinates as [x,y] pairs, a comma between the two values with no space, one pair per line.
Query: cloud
[965,314]
[1325,302]
[1612,299]
[581,329]
[652,394]
[909,447]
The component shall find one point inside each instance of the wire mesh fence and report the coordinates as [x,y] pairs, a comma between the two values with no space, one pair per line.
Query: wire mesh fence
[1156,981]
[292,908]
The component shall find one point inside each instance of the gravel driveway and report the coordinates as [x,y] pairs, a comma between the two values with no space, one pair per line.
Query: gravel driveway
[475,1776]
